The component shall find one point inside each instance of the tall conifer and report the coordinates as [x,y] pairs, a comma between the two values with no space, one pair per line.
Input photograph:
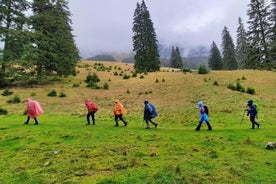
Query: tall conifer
[146,56]
[242,45]
[228,51]
[258,33]
[215,60]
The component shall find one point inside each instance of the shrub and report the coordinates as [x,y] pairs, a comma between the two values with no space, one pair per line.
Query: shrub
[106,86]
[76,85]
[231,86]
[156,80]
[215,83]
[14,100]
[92,78]
[126,76]
[202,69]
[6,92]
[62,95]
[3,111]
[128,91]
[93,86]
[52,93]
[163,80]
[250,91]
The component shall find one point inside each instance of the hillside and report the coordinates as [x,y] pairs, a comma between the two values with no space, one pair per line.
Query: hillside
[62,149]
[172,92]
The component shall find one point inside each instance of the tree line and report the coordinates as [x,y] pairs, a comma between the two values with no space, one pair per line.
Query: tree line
[255,46]
[37,41]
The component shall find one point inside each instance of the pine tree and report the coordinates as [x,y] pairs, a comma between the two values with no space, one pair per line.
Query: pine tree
[258,32]
[12,32]
[273,33]
[228,51]
[55,50]
[176,58]
[144,41]
[242,45]
[215,60]
[173,58]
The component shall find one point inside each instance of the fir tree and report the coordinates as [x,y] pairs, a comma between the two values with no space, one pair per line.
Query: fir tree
[176,58]
[228,51]
[144,41]
[242,45]
[215,60]
[258,32]
[12,31]
[273,33]
[55,50]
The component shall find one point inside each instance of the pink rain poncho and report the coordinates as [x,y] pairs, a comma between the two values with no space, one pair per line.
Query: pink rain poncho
[33,108]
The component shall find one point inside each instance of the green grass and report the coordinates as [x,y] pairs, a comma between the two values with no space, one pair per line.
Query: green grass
[62,149]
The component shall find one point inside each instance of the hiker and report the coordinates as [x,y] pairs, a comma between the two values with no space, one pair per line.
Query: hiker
[118,111]
[203,116]
[149,114]
[33,110]
[92,108]
[252,111]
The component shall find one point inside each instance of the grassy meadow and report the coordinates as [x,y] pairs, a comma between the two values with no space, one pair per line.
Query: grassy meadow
[62,149]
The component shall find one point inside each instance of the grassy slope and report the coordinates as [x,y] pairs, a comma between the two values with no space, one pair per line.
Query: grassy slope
[63,150]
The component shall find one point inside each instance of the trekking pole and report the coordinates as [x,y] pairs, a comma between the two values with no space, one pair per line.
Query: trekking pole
[242,117]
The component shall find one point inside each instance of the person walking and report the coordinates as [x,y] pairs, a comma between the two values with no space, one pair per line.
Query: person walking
[92,108]
[252,111]
[149,114]
[118,112]
[203,116]
[33,110]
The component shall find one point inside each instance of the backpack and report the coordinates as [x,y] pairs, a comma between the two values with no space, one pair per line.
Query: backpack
[206,110]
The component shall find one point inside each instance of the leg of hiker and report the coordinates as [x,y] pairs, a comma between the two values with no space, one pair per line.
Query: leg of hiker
[93,117]
[36,122]
[88,118]
[209,125]
[116,120]
[122,119]
[198,126]
[155,124]
[27,121]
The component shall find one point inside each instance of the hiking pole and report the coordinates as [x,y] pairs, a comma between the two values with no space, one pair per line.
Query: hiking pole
[242,117]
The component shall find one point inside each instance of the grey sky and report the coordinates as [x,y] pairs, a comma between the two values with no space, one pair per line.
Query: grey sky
[106,25]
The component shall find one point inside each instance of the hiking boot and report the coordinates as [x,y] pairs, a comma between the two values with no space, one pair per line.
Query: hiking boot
[147,127]
[125,124]
[26,123]
[36,124]
[155,126]
[87,124]
[258,125]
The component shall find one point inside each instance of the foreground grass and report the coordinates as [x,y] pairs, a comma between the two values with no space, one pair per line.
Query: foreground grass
[64,150]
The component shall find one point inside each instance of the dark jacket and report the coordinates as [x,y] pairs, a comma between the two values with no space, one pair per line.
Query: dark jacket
[149,111]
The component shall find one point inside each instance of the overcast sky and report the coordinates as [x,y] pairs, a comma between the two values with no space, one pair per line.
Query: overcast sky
[106,25]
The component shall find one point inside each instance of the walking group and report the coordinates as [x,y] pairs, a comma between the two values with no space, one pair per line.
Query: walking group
[34,109]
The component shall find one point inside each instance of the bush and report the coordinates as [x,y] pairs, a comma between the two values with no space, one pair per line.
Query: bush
[14,100]
[126,76]
[106,86]
[215,83]
[92,78]
[202,69]
[93,86]
[52,93]
[250,91]
[6,92]
[231,86]
[3,111]
[62,95]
